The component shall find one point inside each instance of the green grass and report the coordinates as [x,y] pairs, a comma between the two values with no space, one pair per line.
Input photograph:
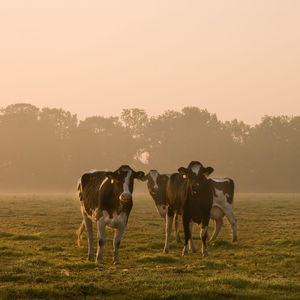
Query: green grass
[39,258]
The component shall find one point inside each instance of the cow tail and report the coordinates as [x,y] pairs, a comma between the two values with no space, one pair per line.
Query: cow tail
[79,233]
[231,190]
[79,189]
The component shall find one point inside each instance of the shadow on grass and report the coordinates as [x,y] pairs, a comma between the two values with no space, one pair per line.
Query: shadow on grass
[227,245]
[38,262]
[12,277]
[156,246]
[24,237]
[163,259]
[9,253]
[281,242]
[78,266]
[5,235]
[154,224]
[52,249]
[215,265]
[65,291]
[19,237]
[241,283]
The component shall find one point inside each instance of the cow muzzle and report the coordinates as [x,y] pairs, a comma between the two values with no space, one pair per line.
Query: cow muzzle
[154,190]
[125,196]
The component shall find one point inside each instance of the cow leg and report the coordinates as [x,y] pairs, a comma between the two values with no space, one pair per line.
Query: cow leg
[117,240]
[232,220]
[191,242]
[218,225]
[169,218]
[101,240]
[89,233]
[203,235]
[176,223]
[187,233]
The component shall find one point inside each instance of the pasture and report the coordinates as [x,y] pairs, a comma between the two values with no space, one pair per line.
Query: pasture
[39,257]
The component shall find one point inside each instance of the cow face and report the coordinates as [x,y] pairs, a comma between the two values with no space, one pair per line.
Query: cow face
[155,181]
[122,179]
[196,176]
[198,168]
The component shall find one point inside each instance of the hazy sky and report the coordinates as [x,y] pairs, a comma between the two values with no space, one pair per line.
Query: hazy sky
[239,59]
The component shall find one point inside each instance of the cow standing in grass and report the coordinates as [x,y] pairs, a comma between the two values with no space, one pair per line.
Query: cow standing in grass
[157,187]
[189,194]
[223,192]
[106,198]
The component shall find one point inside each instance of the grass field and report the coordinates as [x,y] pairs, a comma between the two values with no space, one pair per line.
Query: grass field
[39,257]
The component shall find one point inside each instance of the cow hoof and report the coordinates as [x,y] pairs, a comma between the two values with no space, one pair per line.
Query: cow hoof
[117,262]
[166,251]
[184,252]
[234,240]
[99,261]
[204,254]
[90,258]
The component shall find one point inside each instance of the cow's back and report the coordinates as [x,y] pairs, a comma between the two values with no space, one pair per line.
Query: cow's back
[223,187]
[89,189]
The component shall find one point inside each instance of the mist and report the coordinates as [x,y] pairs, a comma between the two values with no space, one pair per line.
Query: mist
[47,150]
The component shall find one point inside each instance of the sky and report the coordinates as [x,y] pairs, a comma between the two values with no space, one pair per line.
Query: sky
[238,59]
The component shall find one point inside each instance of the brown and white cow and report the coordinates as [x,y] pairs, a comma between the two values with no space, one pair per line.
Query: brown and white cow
[157,186]
[189,194]
[106,198]
[222,202]
[223,192]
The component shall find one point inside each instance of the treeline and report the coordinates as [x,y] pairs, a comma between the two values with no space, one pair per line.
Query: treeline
[48,149]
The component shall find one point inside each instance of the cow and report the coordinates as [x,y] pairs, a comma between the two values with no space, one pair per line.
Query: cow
[157,185]
[222,202]
[106,198]
[189,194]
[223,191]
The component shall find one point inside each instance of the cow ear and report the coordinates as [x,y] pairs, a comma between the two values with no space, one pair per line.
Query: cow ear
[145,177]
[110,175]
[139,175]
[183,171]
[165,178]
[208,171]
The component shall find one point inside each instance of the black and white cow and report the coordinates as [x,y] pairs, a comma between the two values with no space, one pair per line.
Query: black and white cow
[223,192]
[106,198]
[157,186]
[189,194]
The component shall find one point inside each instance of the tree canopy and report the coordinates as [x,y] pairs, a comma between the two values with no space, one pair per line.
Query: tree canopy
[49,149]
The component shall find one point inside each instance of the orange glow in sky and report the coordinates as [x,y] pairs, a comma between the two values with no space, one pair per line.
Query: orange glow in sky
[238,59]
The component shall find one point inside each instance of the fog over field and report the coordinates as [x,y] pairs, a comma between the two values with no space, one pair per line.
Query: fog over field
[152,84]
[45,149]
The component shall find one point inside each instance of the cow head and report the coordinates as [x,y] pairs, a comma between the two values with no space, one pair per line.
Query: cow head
[155,181]
[198,168]
[196,174]
[122,179]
